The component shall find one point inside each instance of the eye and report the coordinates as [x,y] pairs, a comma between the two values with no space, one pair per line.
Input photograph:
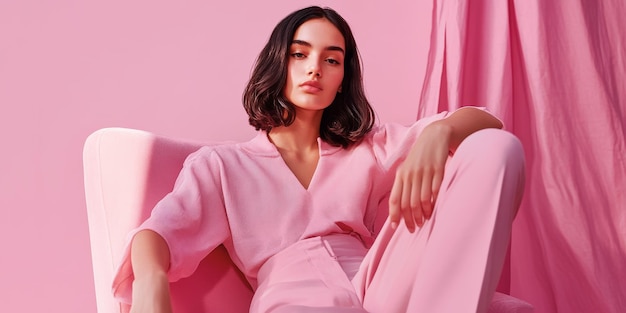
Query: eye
[298,55]
[332,61]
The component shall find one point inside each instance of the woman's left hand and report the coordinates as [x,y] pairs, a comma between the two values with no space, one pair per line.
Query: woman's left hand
[419,177]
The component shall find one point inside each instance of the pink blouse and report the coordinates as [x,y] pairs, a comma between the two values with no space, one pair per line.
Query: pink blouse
[245,197]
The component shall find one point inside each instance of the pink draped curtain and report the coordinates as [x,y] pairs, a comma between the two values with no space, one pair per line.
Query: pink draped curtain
[554,71]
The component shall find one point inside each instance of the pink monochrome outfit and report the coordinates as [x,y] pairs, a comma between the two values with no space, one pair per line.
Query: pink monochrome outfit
[316,249]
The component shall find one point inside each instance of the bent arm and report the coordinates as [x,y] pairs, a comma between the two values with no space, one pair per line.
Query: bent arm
[182,229]
[418,179]
[464,122]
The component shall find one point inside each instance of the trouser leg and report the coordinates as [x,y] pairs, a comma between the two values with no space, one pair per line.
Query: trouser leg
[308,277]
[452,263]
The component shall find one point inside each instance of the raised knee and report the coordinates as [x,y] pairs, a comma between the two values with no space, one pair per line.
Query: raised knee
[493,146]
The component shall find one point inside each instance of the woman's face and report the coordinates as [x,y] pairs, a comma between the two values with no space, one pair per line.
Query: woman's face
[316,65]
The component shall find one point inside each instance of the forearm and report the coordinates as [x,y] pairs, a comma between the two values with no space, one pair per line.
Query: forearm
[150,258]
[150,254]
[420,175]
[464,122]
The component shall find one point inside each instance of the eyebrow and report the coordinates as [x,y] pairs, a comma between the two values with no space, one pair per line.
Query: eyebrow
[304,43]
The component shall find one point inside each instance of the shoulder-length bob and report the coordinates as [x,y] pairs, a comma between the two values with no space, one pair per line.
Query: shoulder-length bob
[348,118]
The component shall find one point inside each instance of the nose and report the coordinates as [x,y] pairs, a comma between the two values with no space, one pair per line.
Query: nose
[314,69]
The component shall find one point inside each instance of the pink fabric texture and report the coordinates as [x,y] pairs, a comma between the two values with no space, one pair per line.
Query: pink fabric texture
[554,72]
[245,197]
[211,205]
[127,172]
[457,255]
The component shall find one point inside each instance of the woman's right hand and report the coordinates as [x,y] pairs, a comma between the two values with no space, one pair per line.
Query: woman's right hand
[151,295]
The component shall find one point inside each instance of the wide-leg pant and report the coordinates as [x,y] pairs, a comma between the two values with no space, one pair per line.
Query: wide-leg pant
[451,264]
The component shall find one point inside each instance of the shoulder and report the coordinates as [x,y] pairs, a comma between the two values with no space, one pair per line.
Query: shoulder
[228,152]
[384,130]
[211,154]
[388,138]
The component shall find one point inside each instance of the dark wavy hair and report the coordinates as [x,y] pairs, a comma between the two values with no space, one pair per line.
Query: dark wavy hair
[348,118]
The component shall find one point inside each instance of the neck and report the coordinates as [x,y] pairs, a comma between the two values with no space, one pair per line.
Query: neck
[301,135]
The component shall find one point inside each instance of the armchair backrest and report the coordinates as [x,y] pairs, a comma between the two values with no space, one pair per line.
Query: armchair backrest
[126,173]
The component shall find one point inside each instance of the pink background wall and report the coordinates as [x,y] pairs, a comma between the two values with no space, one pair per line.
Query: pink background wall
[68,68]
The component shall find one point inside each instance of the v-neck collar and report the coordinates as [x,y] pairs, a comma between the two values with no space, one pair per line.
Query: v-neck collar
[262,146]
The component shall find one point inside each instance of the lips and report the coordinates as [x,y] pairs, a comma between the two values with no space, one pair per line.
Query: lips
[311,86]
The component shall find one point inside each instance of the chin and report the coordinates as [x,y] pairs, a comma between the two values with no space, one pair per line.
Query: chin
[311,105]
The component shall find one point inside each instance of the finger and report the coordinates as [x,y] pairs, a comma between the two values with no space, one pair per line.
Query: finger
[407,213]
[437,180]
[394,202]
[426,193]
[416,206]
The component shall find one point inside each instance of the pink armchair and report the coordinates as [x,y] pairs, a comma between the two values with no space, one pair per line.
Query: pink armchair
[126,172]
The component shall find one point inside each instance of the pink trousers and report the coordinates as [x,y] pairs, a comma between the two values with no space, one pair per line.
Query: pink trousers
[451,264]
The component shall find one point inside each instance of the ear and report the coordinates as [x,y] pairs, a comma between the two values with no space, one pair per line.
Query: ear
[339,90]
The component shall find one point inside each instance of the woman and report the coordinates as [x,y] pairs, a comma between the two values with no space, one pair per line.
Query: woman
[297,206]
